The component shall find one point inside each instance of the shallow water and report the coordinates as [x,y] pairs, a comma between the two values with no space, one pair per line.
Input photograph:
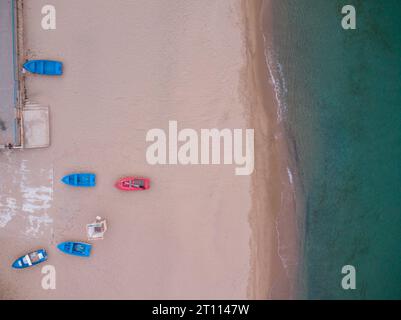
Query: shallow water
[340,97]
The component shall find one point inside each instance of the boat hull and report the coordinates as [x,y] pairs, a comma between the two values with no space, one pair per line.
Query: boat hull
[44,67]
[80,180]
[133,184]
[30,259]
[79,249]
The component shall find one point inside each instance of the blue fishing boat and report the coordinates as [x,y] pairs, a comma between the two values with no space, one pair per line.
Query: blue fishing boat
[45,67]
[30,259]
[80,179]
[79,249]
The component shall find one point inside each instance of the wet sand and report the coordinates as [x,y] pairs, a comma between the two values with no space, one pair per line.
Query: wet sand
[200,231]
[274,241]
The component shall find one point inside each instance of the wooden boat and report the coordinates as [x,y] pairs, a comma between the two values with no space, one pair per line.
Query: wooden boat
[44,67]
[79,249]
[80,180]
[30,259]
[133,184]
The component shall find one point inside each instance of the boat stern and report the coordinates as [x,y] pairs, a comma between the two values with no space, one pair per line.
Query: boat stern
[88,250]
[92,180]
[44,255]
[59,69]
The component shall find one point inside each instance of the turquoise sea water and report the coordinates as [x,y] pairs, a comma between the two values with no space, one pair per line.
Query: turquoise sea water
[340,91]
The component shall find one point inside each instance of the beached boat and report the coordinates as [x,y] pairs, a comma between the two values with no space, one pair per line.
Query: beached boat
[97,229]
[80,180]
[133,184]
[30,259]
[79,249]
[44,67]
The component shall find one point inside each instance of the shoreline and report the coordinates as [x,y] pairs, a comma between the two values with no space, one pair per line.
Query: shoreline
[270,277]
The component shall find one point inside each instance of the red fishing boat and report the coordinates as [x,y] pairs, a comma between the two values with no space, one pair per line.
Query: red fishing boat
[133,184]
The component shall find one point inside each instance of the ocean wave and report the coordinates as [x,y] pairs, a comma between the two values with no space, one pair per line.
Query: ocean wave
[286,219]
[276,75]
[290,176]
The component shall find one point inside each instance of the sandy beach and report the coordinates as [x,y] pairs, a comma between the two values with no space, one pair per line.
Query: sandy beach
[200,232]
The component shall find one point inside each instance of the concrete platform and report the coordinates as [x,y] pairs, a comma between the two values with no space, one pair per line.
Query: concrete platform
[8,82]
[36,127]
